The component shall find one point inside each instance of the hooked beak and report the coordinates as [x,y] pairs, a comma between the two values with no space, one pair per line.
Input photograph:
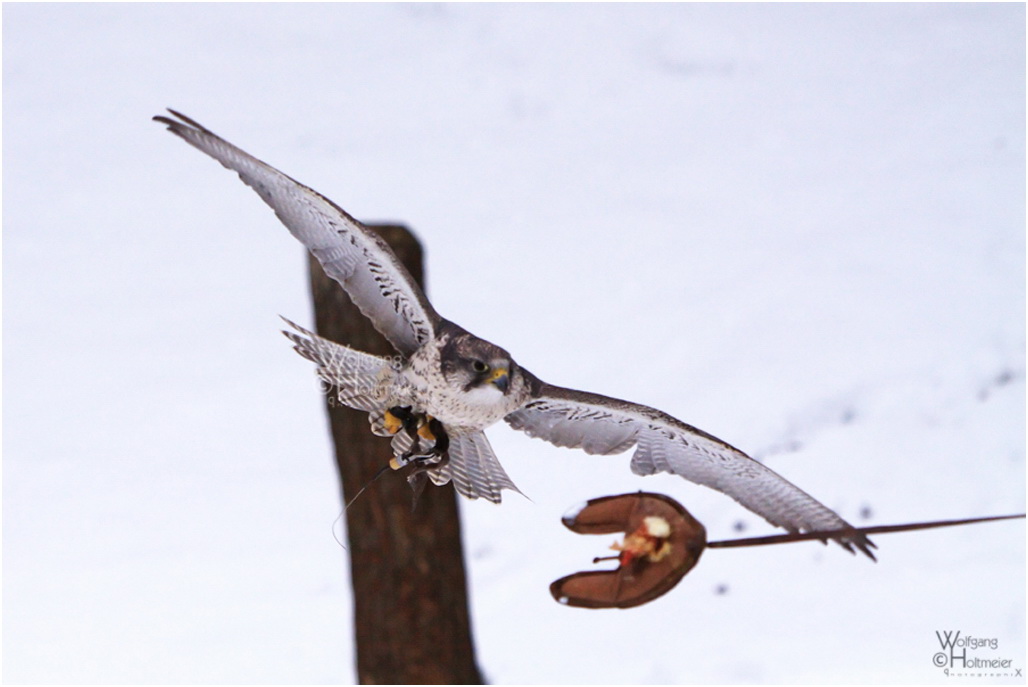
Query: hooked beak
[500,379]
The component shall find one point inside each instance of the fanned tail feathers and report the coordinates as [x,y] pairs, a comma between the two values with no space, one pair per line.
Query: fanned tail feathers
[473,468]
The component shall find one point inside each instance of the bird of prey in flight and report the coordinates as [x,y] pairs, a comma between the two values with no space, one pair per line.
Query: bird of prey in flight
[447,385]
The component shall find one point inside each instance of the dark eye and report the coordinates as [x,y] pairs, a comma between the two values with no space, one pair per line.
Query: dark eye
[479,366]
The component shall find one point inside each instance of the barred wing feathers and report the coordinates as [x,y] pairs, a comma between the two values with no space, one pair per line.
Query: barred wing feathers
[352,254]
[601,425]
[360,380]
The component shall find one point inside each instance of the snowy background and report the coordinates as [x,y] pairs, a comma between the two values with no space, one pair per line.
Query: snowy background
[800,228]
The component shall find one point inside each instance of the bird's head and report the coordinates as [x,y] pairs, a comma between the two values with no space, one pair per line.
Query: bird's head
[472,364]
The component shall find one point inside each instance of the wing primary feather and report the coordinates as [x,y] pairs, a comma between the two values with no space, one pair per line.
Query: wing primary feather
[359,380]
[604,425]
[355,256]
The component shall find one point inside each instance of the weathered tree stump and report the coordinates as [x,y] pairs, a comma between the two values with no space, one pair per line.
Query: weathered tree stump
[410,596]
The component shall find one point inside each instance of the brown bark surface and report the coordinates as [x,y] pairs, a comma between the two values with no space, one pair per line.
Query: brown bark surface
[410,599]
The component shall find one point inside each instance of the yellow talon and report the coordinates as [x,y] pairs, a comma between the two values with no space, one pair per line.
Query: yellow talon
[391,423]
[424,431]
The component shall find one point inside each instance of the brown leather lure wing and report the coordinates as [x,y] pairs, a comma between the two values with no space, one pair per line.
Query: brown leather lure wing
[662,543]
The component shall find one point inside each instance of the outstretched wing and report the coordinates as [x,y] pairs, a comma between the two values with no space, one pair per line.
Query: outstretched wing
[351,253]
[359,380]
[601,425]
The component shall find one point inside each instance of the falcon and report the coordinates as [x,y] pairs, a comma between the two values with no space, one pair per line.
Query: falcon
[447,385]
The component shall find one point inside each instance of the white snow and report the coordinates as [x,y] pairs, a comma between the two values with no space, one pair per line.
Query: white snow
[572,513]
[798,227]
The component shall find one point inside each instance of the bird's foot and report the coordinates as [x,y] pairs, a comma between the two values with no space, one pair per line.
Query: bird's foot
[399,417]
[422,429]
[429,448]
[422,460]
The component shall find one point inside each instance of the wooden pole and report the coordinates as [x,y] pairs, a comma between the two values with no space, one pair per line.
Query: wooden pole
[410,598]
